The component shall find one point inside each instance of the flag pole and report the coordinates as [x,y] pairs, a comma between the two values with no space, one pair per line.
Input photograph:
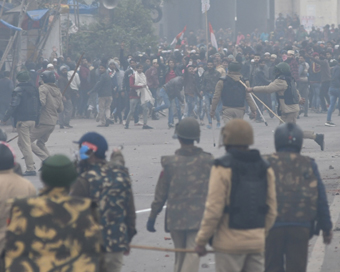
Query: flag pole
[207,35]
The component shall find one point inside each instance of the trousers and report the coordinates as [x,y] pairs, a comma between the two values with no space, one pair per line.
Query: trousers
[185,262]
[239,262]
[291,118]
[66,115]
[41,134]
[24,129]
[334,94]
[114,261]
[104,104]
[304,92]
[289,244]
[133,107]
[231,113]
[324,98]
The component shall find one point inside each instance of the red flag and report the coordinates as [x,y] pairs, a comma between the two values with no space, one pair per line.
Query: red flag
[212,37]
[179,37]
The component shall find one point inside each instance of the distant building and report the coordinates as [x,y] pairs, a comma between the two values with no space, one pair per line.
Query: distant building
[316,13]
[239,15]
[246,15]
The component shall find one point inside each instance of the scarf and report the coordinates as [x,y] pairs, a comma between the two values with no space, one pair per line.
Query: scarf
[144,93]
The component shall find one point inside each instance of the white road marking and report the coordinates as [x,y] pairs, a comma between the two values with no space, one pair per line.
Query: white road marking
[143,211]
[317,256]
[146,210]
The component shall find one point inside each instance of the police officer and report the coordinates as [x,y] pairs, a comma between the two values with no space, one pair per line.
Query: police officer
[17,167]
[92,154]
[301,201]
[183,184]
[11,186]
[288,98]
[233,95]
[53,231]
[24,108]
[51,104]
[241,203]
[109,185]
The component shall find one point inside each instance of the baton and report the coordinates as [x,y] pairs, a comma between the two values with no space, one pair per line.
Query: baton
[264,104]
[259,110]
[10,140]
[74,72]
[183,250]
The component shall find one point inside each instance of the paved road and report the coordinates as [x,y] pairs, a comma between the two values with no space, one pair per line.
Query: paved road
[142,151]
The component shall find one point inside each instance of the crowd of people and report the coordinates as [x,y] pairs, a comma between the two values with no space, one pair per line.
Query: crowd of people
[256,217]
[115,89]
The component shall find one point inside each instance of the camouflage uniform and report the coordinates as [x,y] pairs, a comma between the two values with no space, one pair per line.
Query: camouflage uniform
[183,183]
[110,186]
[296,187]
[301,200]
[53,232]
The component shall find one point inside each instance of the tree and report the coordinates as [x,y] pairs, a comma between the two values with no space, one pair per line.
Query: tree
[131,23]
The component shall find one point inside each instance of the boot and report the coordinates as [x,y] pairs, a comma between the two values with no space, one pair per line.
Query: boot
[320,140]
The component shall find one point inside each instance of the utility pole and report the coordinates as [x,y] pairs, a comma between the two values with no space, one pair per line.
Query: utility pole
[235,22]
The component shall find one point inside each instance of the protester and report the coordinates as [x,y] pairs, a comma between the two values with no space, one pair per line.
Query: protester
[170,92]
[66,115]
[210,78]
[334,91]
[135,98]
[104,90]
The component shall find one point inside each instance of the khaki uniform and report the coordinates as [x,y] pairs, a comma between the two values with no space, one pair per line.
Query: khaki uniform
[183,184]
[51,105]
[239,249]
[289,113]
[229,113]
[11,186]
[53,232]
[24,129]
[221,70]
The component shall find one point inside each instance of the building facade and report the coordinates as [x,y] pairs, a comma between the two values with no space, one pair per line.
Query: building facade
[316,13]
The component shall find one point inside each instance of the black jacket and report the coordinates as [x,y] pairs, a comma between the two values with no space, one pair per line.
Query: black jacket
[104,86]
[25,104]
[210,79]
[335,82]
[174,87]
